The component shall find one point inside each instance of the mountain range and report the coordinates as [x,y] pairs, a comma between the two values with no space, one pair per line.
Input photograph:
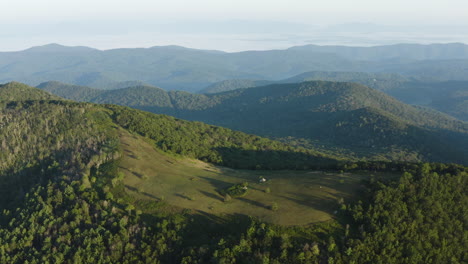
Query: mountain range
[174,67]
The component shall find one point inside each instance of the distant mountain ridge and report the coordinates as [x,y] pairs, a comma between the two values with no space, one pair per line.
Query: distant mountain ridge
[352,118]
[54,47]
[180,68]
[379,81]
[395,52]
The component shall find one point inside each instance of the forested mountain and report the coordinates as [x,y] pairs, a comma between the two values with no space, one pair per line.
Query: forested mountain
[338,117]
[65,197]
[341,114]
[181,68]
[446,96]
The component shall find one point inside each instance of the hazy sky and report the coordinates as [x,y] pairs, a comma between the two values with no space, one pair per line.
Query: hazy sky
[229,24]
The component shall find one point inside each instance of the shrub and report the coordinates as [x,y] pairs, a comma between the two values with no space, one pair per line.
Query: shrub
[274,207]
[237,190]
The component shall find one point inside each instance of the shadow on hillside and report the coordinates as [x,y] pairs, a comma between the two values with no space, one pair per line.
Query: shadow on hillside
[211,195]
[362,132]
[206,227]
[158,110]
[252,202]
[14,186]
[217,184]
[134,173]
[181,195]
[325,204]
[150,196]
[272,159]
[132,155]
[140,192]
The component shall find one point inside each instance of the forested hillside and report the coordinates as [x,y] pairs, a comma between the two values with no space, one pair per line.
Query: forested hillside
[65,201]
[446,96]
[345,115]
[454,103]
[18,92]
[216,144]
[340,118]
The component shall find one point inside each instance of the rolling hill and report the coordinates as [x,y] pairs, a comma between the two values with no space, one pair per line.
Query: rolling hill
[88,183]
[181,68]
[341,118]
[18,92]
[446,96]
[74,157]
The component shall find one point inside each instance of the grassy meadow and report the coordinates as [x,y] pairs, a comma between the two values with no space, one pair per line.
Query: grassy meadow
[286,198]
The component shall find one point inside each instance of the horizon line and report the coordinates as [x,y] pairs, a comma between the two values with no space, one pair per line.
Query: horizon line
[58,45]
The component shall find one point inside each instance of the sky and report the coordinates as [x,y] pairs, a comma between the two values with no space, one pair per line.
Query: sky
[230,25]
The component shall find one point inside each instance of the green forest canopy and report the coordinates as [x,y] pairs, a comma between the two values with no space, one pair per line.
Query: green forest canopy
[63,206]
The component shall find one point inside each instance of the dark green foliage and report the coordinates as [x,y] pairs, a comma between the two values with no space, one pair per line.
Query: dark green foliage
[63,222]
[142,97]
[72,92]
[420,219]
[138,95]
[454,102]
[216,144]
[38,136]
[63,200]
[53,209]
[237,190]
[449,97]
[343,119]
[193,139]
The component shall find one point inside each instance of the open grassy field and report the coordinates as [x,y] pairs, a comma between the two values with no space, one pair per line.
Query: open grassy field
[301,197]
